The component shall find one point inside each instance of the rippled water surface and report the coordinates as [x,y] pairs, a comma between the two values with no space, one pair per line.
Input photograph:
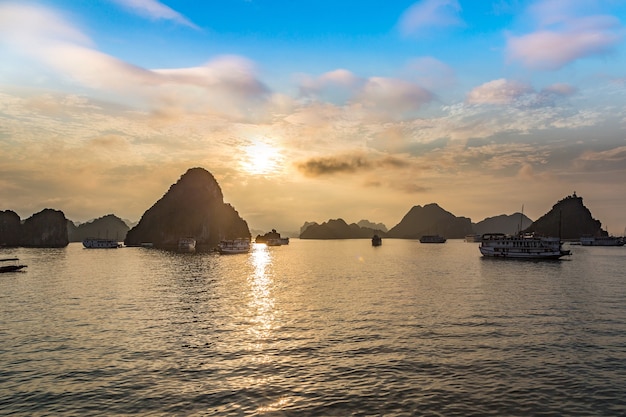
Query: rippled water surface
[326,328]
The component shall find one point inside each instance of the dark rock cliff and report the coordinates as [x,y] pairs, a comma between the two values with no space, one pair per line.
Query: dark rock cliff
[430,220]
[569,219]
[46,229]
[193,207]
[9,228]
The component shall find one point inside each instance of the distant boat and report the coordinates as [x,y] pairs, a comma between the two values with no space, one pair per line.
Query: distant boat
[240,245]
[10,265]
[186,244]
[432,239]
[601,241]
[272,238]
[98,243]
[377,240]
[472,238]
[499,245]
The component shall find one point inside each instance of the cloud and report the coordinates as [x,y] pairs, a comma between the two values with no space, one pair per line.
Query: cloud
[392,96]
[156,10]
[316,167]
[25,26]
[430,14]
[499,91]
[565,34]
[560,89]
[226,84]
[385,96]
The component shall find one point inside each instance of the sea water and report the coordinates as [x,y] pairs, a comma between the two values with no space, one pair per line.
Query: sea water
[313,328]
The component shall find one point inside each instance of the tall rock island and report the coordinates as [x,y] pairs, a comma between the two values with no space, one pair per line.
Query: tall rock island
[193,207]
[569,219]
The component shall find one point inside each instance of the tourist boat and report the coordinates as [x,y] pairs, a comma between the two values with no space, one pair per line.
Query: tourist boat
[473,238]
[432,239]
[98,243]
[240,245]
[186,244]
[10,265]
[284,240]
[377,240]
[274,241]
[601,241]
[499,245]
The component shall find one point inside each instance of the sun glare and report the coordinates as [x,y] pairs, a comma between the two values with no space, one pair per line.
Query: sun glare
[261,159]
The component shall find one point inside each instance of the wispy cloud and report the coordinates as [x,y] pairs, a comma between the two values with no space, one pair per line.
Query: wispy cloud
[428,14]
[565,33]
[224,84]
[499,91]
[156,10]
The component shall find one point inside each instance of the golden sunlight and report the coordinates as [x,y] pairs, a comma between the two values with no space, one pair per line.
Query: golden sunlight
[261,158]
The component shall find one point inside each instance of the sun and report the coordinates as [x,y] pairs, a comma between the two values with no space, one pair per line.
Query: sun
[261,158]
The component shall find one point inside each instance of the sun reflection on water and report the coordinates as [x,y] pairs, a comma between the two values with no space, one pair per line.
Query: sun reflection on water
[261,300]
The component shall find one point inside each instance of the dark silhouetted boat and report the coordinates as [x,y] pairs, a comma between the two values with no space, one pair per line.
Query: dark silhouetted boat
[10,265]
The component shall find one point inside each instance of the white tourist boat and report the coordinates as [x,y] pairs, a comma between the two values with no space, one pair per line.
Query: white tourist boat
[601,241]
[98,243]
[186,244]
[432,239]
[499,245]
[241,245]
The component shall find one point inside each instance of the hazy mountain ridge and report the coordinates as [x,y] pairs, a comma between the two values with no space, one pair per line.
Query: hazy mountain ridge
[337,229]
[108,226]
[508,224]
[569,218]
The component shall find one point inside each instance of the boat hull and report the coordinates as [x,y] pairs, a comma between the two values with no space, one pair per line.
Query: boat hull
[101,244]
[232,247]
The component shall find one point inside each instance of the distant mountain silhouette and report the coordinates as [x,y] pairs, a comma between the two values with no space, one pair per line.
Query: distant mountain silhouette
[370,225]
[337,229]
[430,220]
[46,229]
[569,219]
[193,207]
[508,224]
[109,227]
[306,225]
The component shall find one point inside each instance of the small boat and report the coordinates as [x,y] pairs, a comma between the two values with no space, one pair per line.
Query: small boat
[241,245]
[98,243]
[472,238]
[377,240]
[528,246]
[432,239]
[601,241]
[186,244]
[284,240]
[10,265]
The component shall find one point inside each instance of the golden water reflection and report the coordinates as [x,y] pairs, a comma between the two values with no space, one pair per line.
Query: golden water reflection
[261,305]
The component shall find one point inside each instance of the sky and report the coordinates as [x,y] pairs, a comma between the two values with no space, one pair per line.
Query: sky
[313,110]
